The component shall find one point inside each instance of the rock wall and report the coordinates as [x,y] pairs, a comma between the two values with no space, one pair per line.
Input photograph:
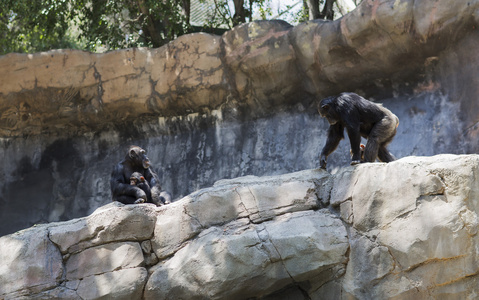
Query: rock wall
[210,107]
[407,229]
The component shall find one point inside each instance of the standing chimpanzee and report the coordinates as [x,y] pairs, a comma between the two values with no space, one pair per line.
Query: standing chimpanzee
[360,117]
[121,188]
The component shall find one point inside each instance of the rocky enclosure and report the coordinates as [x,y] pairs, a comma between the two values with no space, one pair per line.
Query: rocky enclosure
[210,107]
[403,230]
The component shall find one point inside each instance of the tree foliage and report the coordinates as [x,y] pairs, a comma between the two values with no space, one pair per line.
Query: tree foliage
[119,24]
[100,25]
[29,26]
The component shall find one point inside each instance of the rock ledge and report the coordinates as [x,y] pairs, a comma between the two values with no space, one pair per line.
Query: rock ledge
[403,229]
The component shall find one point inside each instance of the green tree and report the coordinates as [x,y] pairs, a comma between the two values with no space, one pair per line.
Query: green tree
[38,25]
[127,23]
[100,25]
[227,14]
[29,26]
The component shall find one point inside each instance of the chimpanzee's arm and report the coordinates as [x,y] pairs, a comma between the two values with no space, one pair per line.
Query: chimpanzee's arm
[335,135]
[152,178]
[155,186]
[145,187]
[355,141]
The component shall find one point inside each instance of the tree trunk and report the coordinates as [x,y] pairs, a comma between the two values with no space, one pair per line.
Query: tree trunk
[186,6]
[305,10]
[239,16]
[327,12]
[150,29]
[313,9]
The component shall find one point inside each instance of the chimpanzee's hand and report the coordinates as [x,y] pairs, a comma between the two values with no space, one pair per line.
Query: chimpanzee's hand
[140,194]
[355,162]
[140,200]
[322,162]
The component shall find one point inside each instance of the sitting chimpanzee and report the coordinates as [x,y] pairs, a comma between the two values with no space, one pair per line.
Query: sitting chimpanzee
[121,188]
[360,117]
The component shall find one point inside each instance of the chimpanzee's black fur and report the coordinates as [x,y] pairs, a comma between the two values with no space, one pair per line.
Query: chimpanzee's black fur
[360,117]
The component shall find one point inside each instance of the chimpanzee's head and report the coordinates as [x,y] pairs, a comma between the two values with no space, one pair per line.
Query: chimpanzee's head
[136,178]
[326,109]
[138,156]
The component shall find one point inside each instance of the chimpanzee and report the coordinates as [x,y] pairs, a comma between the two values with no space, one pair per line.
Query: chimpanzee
[360,117]
[138,180]
[121,188]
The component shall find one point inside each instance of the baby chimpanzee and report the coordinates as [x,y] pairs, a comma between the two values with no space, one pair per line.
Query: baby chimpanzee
[138,180]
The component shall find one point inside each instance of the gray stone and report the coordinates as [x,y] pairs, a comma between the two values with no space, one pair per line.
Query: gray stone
[114,222]
[321,235]
[122,284]
[407,229]
[173,228]
[102,259]
[29,262]
[374,205]
[255,198]
[417,233]
[369,262]
[57,293]
[251,260]
[146,247]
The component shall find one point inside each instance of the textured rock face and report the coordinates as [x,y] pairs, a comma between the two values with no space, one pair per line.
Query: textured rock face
[257,66]
[407,229]
[212,107]
[420,236]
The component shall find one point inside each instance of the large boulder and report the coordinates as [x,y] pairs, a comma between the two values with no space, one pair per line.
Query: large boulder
[413,227]
[406,229]
[253,260]
[104,225]
[29,263]
[255,234]
[257,199]
[88,258]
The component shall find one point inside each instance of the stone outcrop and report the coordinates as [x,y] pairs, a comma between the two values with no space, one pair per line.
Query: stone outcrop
[210,107]
[407,229]
[259,66]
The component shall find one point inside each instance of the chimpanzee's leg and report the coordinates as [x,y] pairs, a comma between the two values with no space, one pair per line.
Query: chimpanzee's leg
[125,199]
[372,148]
[384,155]
[335,134]
[380,136]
